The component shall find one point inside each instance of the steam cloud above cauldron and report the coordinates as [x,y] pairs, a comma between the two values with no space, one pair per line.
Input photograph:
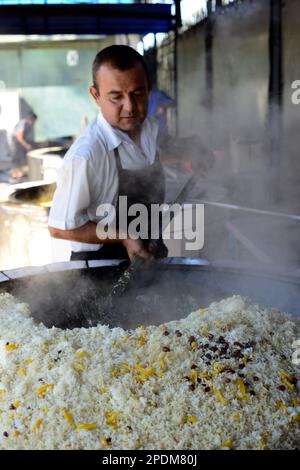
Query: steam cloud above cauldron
[240,141]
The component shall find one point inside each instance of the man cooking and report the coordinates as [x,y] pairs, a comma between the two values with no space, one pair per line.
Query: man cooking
[19,143]
[116,155]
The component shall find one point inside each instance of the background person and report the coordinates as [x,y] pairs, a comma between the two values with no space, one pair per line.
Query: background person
[20,143]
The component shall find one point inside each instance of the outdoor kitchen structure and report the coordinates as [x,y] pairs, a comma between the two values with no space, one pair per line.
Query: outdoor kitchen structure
[105,354]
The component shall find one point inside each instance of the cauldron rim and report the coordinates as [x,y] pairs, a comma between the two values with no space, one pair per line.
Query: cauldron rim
[215,282]
[272,272]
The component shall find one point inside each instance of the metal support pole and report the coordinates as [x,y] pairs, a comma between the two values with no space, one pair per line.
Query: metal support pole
[275,88]
[208,54]
[209,67]
[178,25]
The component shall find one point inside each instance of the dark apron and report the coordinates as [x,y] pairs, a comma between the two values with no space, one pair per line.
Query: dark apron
[145,186]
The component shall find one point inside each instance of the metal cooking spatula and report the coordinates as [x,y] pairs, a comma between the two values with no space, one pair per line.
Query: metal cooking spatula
[121,285]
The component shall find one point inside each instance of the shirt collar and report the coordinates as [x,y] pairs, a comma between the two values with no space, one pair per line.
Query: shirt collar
[114,137]
[111,136]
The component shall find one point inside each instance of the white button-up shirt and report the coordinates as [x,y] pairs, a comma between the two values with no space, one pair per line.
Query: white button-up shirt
[89,174]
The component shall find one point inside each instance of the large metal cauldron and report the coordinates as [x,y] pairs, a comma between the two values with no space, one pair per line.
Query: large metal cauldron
[65,297]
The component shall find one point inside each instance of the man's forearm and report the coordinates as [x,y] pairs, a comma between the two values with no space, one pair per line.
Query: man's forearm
[87,234]
[22,141]
[84,234]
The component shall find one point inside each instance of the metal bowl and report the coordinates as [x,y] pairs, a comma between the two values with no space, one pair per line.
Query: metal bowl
[40,195]
[67,298]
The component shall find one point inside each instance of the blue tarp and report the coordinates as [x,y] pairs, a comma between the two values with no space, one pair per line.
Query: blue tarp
[86,19]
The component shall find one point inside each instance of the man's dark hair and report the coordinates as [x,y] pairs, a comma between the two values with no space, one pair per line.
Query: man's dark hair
[120,58]
[31,115]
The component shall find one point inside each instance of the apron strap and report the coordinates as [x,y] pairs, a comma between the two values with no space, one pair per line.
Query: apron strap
[117,157]
[118,160]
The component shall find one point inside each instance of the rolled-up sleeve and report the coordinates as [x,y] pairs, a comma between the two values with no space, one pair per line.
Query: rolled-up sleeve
[72,196]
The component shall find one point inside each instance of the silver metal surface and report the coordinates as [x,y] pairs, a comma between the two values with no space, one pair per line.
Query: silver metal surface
[20,273]
[65,266]
[69,295]
[3,277]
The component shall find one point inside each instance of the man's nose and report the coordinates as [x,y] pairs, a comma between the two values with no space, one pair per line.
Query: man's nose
[129,104]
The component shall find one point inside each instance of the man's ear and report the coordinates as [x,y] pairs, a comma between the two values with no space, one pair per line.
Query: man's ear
[94,92]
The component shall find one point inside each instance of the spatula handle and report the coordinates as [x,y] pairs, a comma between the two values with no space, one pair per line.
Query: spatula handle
[136,264]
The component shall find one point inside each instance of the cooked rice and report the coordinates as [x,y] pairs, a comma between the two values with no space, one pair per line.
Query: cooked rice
[181,385]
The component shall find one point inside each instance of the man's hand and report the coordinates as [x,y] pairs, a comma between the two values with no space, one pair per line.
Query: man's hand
[21,139]
[157,248]
[87,233]
[135,248]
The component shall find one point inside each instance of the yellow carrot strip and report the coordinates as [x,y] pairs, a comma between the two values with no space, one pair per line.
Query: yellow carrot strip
[44,388]
[68,417]
[37,424]
[86,426]
[11,347]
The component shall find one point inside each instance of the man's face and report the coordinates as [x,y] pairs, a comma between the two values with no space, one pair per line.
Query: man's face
[31,121]
[122,96]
